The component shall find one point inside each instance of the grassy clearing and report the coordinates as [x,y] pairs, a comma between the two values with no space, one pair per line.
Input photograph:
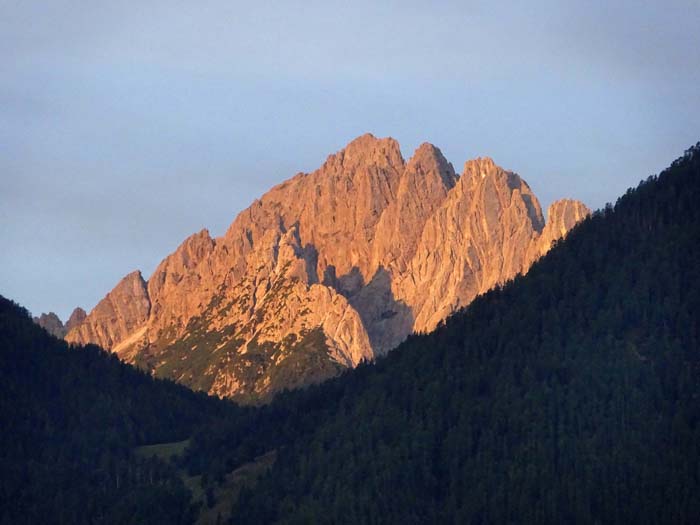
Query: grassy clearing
[163,451]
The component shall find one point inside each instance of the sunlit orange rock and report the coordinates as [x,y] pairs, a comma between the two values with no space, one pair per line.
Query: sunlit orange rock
[328,269]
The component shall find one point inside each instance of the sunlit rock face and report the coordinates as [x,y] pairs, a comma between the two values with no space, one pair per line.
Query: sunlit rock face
[76,317]
[328,269]
[562,215]
[115,317]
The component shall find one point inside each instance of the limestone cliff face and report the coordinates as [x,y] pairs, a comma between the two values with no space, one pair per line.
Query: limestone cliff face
[76,317]
[115,317]
[478,238]
[336,209]
[181,284]
[423,187]
[562,215]
[327,269]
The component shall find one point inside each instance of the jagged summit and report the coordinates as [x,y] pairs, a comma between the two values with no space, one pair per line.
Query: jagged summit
[326,269]
[76,317]
[51,323]
[480,167]
[428,158]
[368,150]
[567,212]
[562,215]
[116,316]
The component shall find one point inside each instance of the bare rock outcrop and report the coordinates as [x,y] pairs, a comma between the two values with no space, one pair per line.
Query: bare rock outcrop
[423,186]
[52,324]
[182,284]
[478,238]
[328,269]
[115,317]
[562,215]
[76,318]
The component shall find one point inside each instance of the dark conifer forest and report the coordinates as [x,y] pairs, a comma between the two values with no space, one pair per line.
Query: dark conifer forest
[70,418]
[569,395]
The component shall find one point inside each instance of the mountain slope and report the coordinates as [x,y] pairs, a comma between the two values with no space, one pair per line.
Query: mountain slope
[70,419]
[326,270]
[571,395]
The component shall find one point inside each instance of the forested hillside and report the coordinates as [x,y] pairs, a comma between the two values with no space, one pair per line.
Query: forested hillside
[571,395]
[70,418]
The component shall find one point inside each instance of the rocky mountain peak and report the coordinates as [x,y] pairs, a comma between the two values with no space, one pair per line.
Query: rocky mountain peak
[76,317]
[122,311]
[424,184]
[176,284]
[564,214]
[133,281]
[326,269]
[480,167]
[369,150]
[428,158]
[191,252]
[51,323]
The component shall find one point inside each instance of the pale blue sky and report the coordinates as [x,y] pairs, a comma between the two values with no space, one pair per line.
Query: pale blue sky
[126,126]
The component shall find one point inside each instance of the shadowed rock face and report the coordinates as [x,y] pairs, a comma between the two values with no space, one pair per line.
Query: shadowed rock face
[327,269]
[52,324]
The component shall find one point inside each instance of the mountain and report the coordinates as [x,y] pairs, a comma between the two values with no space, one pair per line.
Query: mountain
[71,417]
[569,395]
[326,270]
[53,324]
